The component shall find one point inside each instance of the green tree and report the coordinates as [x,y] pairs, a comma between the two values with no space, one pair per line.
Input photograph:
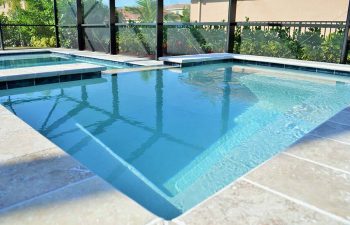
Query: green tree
[147,11]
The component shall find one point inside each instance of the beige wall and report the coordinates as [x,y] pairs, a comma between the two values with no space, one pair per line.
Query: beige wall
[271,10]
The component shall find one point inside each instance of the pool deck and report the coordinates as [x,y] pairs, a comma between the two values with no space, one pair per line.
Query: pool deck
[309,183]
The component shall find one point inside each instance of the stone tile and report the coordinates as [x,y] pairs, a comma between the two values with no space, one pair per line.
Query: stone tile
[25,177]
[334,131]
[89,202]
[321,150]
[244,203]
[4,111]
[19,139]
[316,185]
[342,117]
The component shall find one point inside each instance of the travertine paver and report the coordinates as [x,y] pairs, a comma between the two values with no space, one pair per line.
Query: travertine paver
[322,150]
[22,178]
[243,203]
[19,139]
[319,186]
[89,202]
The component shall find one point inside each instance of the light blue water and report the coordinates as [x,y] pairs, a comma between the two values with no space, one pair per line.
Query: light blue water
[45,59]
[171,138]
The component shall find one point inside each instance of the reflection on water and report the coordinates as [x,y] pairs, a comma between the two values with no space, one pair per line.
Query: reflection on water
[159,136]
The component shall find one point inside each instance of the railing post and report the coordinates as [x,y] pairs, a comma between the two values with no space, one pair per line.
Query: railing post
[80,21]
[345,49]
[231,25]
[159,29]
[2,38]
[112,28]
[58,44]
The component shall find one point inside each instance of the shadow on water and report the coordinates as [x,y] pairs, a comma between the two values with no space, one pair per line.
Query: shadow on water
[110,129]
[57,117]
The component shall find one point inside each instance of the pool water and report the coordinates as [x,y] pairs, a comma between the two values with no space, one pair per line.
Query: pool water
[45,59]
[171,138]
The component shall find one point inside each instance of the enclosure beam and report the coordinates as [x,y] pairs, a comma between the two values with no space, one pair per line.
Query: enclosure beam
[112,28]
[55,11]
[345,50]
[159,29]
[80,21]
[231,25]
[1,38]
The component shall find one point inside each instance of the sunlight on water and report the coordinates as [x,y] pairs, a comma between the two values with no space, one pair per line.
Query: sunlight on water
[171,138]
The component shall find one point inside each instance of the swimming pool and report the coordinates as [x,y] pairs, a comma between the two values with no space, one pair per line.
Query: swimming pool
[171,138]
[44,59]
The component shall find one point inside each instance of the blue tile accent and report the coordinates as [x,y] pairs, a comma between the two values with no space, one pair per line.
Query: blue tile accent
[20,83]
[91,75]
[3,85]
[309,69]
[291,67]
[263,64]
[277,65]
[72,77]
[341,73]
[325,71]
[47,80]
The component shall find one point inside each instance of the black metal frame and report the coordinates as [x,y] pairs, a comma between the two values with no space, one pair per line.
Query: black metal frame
[1,38]
[231,25]
[80,21]
[159,29]
[55,11]
[114,48]
[346,42]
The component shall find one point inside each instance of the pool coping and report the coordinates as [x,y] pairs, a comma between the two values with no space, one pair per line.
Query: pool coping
[309,66]
[190,215]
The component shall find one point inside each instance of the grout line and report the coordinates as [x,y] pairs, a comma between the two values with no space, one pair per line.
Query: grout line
[297,201]
[32,153]
[45,194]
[178,222]
[317,163]
[319,136]
[154,221]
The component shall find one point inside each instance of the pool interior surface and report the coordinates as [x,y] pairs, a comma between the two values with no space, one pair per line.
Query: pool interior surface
[171,138]
[45,59]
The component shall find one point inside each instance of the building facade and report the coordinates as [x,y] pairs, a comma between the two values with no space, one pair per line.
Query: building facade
[270,10]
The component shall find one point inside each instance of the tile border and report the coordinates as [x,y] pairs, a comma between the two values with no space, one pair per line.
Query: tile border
[5,85]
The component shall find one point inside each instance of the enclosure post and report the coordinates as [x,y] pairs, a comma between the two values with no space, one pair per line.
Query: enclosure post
[231,25]
[159,29]
[80,29]
[58,44]
[2,38]
[345,49]
[112,31]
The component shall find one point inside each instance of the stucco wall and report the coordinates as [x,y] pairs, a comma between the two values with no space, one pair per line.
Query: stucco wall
[271,10]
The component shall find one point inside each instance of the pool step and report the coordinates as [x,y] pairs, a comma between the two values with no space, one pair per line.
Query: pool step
[39,72]
[39,75]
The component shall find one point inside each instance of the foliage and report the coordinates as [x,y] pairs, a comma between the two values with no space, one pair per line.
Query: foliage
[34,12]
